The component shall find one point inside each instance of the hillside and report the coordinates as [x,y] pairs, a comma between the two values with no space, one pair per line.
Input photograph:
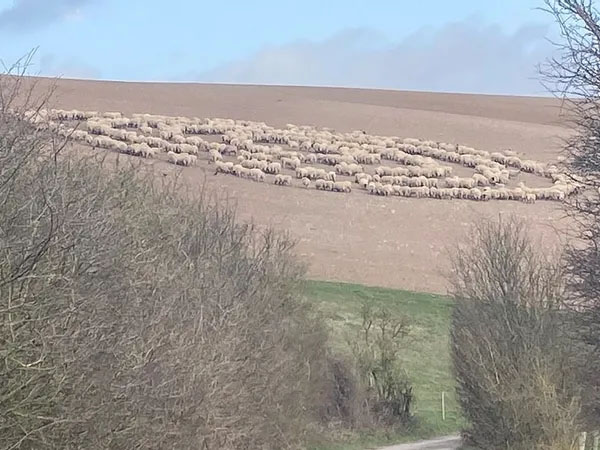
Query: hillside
[399,242]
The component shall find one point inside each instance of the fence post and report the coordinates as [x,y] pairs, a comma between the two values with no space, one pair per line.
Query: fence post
[443,405]
[582,438]
[596,439]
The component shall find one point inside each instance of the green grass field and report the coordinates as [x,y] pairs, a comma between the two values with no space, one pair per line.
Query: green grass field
[426,358]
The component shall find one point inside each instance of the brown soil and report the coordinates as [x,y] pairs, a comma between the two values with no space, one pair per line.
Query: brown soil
[394,242]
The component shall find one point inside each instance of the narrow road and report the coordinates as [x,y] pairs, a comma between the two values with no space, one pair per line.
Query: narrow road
[442,443]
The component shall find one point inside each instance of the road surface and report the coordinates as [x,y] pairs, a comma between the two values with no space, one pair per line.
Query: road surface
[442,443]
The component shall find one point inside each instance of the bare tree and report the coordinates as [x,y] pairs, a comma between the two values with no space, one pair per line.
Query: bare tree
[574,76]
[510,354]
[377,349]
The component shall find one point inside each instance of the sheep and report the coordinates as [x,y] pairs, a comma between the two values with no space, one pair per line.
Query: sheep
[480,180]
[119,123]
[457,182]
[516,194]
[475,194]
[188,148]
[255,164]
[514,161]
[363,183]
[324,185]
[141,150]
[372,158]
[383,170]
[230,150]
[182,159]
[131,137]
[451,182]
[348,169]
[402,191]
[486,194]
[311,158]
[302,172]
[344,151]
[387,190]
[529,197]
[372,187]
[273,168]
[237,170]
[305,182]
[118,146]
[444,193]
[311,173]
[257,175]
[400,171]
[532,167]
[283,180]
[361,175]
[380,189]
[292,163]
[79,135]
[98,128]
[342,186]
[223,167]
[214,156]
[330,176]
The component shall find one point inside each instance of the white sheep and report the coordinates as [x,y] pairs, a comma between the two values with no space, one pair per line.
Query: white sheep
[342,186]
[302,172]
[419,192]
[475,194]
[182,159]
[273,168]
[257,175]
[311,158]
[330,176]
[188,148]
[362,175]
[214,156]
[292,163]
[283,180]
[223,167]
[305,181]
[324,185]
[143,150]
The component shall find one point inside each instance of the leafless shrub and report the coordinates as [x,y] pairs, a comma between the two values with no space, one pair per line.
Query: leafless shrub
[135,314]
[345,402]
[378,353]
[516,381]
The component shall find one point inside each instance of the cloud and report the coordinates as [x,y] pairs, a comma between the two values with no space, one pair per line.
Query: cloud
[467,56]
[25,15]
[71,67]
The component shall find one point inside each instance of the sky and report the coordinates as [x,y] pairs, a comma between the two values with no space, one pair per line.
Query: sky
[490,46]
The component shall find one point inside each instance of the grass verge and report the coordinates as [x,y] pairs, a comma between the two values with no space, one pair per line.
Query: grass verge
[426,358]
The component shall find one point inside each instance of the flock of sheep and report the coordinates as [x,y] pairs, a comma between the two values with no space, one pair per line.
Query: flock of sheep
[322,158]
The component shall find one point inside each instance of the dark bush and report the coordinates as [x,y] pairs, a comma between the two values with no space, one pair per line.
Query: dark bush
[377,349]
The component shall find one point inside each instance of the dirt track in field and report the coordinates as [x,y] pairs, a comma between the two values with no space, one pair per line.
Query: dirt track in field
[394,242]
[443,443]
